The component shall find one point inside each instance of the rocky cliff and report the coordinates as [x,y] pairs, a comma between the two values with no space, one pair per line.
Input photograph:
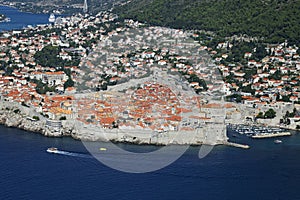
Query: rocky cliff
[15,115]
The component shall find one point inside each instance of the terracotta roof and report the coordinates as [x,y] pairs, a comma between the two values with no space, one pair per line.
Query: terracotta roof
[107,120]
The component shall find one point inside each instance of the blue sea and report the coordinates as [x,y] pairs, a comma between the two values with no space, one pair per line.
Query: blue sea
[20,19]
[28,172]
[265,171]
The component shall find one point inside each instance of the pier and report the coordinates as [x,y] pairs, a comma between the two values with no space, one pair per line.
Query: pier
[260,136]
[243,146]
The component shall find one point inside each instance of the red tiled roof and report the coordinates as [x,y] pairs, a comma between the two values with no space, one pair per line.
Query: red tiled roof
[107,120]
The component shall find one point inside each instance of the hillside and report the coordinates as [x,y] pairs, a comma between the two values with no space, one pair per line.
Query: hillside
[275,20]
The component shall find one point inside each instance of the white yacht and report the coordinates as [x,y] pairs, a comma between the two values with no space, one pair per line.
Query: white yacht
[52,18]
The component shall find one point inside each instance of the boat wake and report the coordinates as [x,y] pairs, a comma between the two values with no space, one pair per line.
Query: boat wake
[67,153]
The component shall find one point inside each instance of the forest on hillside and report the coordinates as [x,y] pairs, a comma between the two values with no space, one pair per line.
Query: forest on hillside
[273,20]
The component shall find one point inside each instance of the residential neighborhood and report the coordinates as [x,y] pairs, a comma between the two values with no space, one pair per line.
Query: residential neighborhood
[60,68]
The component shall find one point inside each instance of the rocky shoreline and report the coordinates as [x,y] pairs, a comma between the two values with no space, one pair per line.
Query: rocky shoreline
[10,117]
[13,114]
[18,116]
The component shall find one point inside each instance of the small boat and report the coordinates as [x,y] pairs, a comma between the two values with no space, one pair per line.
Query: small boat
[52,18]
[277,141]
[52,150]
[102,149]
[7,19]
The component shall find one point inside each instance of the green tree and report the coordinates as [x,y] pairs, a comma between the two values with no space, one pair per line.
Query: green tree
[63,118]
[276,20]
[36,118]
[270,114]
[260,115]
[49,57]
[69,83]
[260,52]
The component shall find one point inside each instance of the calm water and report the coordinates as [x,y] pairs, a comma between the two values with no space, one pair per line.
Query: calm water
[20,19]
[266,171]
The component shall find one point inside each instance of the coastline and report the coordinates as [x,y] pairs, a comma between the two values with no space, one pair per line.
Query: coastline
[19,20]
[19,9]
[15,115]
[77,131]
[9,6]
[12,119]
[35,128]
[81,132]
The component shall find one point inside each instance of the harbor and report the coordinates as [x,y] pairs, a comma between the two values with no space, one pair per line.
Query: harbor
[258,132]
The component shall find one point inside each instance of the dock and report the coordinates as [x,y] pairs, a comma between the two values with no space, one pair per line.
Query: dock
[243,146]
[270,135]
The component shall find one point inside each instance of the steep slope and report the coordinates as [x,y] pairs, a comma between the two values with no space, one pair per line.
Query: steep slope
[276,20]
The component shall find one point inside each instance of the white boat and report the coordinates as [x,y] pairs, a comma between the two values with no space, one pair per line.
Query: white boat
[102,149]
[277,141]
[52,18]
[52,150]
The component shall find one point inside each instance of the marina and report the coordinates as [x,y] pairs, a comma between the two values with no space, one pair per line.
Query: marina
[258,132]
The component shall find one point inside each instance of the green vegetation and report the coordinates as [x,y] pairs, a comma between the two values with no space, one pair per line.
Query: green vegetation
[42,88]
[277,75]
[69,83]
[248,89]
[276,20]
[194,78]
[17,111]
[63,118]
[24,104]
[286,99]
[260,115]
[48,57]
[269,114]
[288,114]
[36,118]
[291,114]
